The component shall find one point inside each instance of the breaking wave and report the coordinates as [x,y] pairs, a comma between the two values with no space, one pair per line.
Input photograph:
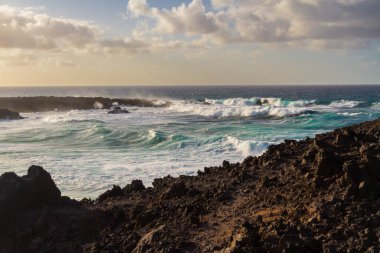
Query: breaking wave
[257,107]
[247,147]
[344,103]
[242,107]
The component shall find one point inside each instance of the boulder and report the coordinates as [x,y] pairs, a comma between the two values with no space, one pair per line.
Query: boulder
[8,114]
[116,191]
[117,110]
[325,163]
[32,190]
[135,186]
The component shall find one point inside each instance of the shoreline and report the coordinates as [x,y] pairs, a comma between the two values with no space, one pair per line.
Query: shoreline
[318,194]
[52,103]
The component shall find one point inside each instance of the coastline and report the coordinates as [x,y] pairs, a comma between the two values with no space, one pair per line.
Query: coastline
[318,194]
[52,103]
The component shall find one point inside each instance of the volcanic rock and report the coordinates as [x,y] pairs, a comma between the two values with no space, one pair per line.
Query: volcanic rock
[21,193]
[117,110]
[315,195]
[8,114]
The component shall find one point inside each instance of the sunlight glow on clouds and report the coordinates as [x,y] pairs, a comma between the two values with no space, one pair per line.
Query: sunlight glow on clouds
[196,32]
[322,23]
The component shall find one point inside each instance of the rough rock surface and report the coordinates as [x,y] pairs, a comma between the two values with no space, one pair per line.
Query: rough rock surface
[20,193]
[117,110]
[8,114]
[314,195]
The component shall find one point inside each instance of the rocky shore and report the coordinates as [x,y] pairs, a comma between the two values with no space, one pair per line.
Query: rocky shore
[8,114]
[315,195]
[42,104]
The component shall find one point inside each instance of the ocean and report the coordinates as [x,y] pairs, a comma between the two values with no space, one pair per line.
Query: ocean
[87,151]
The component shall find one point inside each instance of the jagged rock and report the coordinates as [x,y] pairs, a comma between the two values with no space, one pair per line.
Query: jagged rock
[325,163]
[352,171]
[176,190]
[20,193]
[8,114]
[117,110]
[135,186]
[148,241]
[43,103]
[244,240]
[345,138]
[116,191]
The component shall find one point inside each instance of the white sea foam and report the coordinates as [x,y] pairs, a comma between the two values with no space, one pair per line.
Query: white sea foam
[344,103]
[246,147]
[351,114]
[239,107]
[376,106]
[98,105]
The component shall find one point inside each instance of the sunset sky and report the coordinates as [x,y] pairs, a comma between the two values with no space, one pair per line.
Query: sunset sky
[167,42]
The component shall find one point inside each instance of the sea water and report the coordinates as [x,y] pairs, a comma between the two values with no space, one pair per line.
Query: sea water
[87,151]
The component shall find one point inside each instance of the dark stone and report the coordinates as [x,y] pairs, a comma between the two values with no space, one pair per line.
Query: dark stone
[20,193]
[343,140]
[135,186]
[365,188]
[43,104]
[226,164]
[116,191]
[245,239]
[352,171]
[8,114]
[117,110]
[176,190]
[325,163]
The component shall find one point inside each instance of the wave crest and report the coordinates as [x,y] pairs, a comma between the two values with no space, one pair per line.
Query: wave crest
[244,107]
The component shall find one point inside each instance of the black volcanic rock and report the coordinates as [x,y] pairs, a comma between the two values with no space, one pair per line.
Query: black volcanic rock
[44,103]
[21,193]
[117,110]
[314,195]
[8,114]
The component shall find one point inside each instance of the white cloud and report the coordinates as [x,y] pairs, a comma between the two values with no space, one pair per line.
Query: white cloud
[341,23]
[28,29]
[27,33]
[138,7]
[313,24]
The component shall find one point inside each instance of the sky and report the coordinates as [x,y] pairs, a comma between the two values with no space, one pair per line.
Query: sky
[192,42]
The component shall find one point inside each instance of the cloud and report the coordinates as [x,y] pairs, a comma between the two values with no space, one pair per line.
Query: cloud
[328,23]
[312,24]
[28,33]
[28,29]
[138,7]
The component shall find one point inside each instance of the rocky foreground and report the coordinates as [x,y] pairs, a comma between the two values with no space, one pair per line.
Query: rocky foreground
[315,195]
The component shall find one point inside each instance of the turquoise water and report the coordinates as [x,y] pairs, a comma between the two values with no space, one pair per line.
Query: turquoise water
[88,151]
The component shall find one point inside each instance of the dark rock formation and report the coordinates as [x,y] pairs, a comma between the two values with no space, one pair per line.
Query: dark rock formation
[117,110]
[315,195]
[8,114]
[21,193]
[41,104]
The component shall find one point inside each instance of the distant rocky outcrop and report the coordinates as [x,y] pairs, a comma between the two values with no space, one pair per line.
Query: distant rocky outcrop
[8,114]
[43,103]
[117,110]
[314,195]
